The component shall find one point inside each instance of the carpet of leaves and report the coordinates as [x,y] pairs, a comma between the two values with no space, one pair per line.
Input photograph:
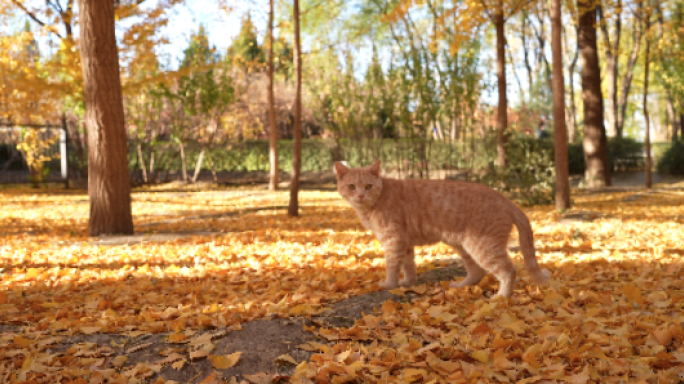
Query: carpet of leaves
[613,313]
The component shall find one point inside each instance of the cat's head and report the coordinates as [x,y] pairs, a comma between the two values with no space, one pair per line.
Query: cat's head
[361,187]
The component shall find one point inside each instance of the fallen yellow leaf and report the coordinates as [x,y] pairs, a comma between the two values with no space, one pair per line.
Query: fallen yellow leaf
[224,361]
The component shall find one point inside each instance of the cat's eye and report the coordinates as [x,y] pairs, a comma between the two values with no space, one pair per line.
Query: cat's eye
[352,186]
[369,186]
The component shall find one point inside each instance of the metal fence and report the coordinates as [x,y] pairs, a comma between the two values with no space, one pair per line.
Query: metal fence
[14,168]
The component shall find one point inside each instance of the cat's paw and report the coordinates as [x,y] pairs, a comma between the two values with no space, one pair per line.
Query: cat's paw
[460,284]
[498,297]
[387,285]
[407,283]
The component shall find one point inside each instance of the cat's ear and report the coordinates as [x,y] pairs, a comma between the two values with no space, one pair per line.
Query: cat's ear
[340,169]
[375,168]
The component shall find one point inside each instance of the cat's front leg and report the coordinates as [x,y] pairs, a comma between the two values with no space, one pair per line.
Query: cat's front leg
[409,268]
[394,259]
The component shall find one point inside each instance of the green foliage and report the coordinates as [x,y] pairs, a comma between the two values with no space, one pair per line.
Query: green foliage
[199,52]
[530,175]
[576,162]
[672,161]
[409,157]
[625,153]
[245,48]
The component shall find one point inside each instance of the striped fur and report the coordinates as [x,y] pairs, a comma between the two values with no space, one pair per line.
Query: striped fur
[473,219]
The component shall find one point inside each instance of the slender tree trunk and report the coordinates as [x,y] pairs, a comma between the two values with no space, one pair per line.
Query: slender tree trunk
[293,208]
[681,124]
[184,168]
[542,46]
[502,118]
[561,138]
[629,71]
[273,151]
[597,173]
[109,185]
[142,163]
[198,166]
[669,105]
[213,168]
[153,174]
[612,55]
[526,53]
[646,117]
[671,117]
[572,108]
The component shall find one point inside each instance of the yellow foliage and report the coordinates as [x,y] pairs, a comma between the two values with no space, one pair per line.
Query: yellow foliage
[35,151]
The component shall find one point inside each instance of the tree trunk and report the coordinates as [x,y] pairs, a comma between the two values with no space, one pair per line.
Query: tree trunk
[213,168]
[646,117]
[526,54]
[627,77]
[612,54]
[273,152]
[142,163]
[572,108]
[184,168]
[597,173]
[109,185]
[502,118]
[671,117]
[681,124]
[198,166]
[561,139]
[153,173]
[293,208]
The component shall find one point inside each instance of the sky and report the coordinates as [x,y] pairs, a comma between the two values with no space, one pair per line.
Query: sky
[184,19]
[221,26]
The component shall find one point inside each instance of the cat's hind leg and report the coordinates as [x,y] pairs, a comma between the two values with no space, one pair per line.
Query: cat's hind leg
[475,273]
[409,267]
[501,266]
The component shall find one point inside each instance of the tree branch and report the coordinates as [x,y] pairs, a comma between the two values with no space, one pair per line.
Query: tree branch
[34,17]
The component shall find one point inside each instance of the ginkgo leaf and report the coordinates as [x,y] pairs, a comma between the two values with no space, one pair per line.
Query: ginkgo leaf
[178,365]
[580,378]
[259,378]
[200,354]
[287,359]
[177,337]
[138,347]
[633,293]
[224,361]
[553,298]
[482,356]
[22,342]
[411,374]
[90,330]
[211,379]
[119,361]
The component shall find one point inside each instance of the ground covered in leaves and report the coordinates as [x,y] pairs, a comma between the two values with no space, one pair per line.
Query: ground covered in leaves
[185,299]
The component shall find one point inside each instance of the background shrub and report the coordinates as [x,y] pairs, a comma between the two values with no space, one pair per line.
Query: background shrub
[672,160]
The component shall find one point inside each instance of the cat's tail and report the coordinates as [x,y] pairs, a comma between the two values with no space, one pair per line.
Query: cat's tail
[539,275]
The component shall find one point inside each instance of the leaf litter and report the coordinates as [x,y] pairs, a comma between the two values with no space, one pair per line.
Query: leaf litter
[614,311]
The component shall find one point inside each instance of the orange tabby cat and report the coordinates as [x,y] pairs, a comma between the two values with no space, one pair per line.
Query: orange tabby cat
[473,219]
